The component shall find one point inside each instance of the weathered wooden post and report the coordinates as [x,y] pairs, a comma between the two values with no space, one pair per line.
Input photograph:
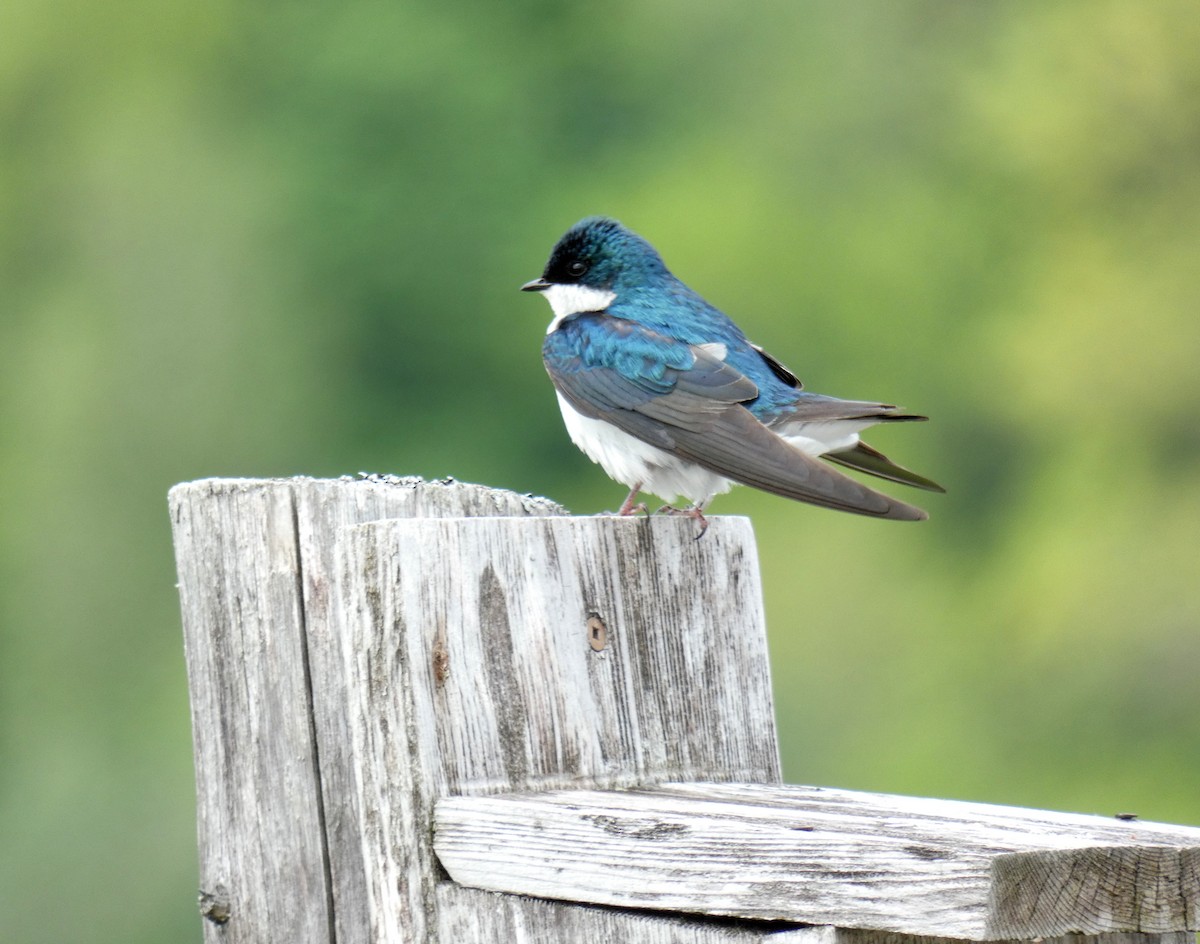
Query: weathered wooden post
[582,706]
[344,678]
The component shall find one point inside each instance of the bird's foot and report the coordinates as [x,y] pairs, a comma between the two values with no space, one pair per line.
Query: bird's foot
[631,506]
[695,511]
[638,509]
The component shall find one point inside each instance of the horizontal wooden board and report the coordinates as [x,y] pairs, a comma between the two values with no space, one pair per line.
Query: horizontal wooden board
[820,856]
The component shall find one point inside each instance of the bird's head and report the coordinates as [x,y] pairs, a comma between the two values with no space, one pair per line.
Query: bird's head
[598,259]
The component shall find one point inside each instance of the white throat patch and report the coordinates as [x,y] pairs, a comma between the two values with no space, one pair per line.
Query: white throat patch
[567,300]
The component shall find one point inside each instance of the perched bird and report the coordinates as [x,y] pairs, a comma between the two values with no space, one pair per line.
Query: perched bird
[667,394]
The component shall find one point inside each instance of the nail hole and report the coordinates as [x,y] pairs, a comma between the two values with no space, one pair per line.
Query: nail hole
[441,661]
[597,633]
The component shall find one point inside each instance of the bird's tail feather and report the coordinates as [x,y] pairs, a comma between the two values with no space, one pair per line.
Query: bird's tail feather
[744,450]
[864,458]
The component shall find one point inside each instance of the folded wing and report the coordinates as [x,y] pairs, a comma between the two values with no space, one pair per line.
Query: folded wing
[685,400]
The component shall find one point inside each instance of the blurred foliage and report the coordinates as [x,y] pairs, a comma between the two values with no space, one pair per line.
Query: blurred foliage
[267,238]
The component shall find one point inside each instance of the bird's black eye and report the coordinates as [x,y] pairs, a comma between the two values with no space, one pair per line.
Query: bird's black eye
[577,269]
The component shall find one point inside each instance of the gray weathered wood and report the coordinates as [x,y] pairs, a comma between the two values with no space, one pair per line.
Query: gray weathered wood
[324,509]
[827,934]
[477,671]
[259,801]
[645,640]
[479,917]
[280,852]
[820,856]
[346,675]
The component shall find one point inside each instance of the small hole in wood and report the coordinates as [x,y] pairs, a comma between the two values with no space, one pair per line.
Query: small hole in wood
[441,661]
[214,905]
[597,633]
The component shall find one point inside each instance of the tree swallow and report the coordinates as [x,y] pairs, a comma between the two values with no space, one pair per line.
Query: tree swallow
[667,394]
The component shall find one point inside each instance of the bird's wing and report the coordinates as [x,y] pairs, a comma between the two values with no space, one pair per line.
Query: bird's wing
[685,400]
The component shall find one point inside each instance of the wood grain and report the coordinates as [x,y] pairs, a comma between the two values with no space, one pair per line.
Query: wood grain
[475,671]
[470,916]
[359,649]
[803,854]
[280,851]
[466,656]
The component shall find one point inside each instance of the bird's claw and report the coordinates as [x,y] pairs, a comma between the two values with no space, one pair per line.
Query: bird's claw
[622,512]
[694,512]
[631,506]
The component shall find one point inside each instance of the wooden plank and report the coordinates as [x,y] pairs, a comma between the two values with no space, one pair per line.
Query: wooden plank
[826,934]
[908,865]
[280,852]
[324,509]
[244,645]
[505,654]
[471,916]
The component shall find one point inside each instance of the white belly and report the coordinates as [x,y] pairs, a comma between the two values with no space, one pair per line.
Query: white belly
[632,462]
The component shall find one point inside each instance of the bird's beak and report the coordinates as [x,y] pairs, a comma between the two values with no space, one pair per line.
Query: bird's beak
[537,285]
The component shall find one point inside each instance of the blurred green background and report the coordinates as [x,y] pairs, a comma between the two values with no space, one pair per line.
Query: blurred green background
[274,238]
